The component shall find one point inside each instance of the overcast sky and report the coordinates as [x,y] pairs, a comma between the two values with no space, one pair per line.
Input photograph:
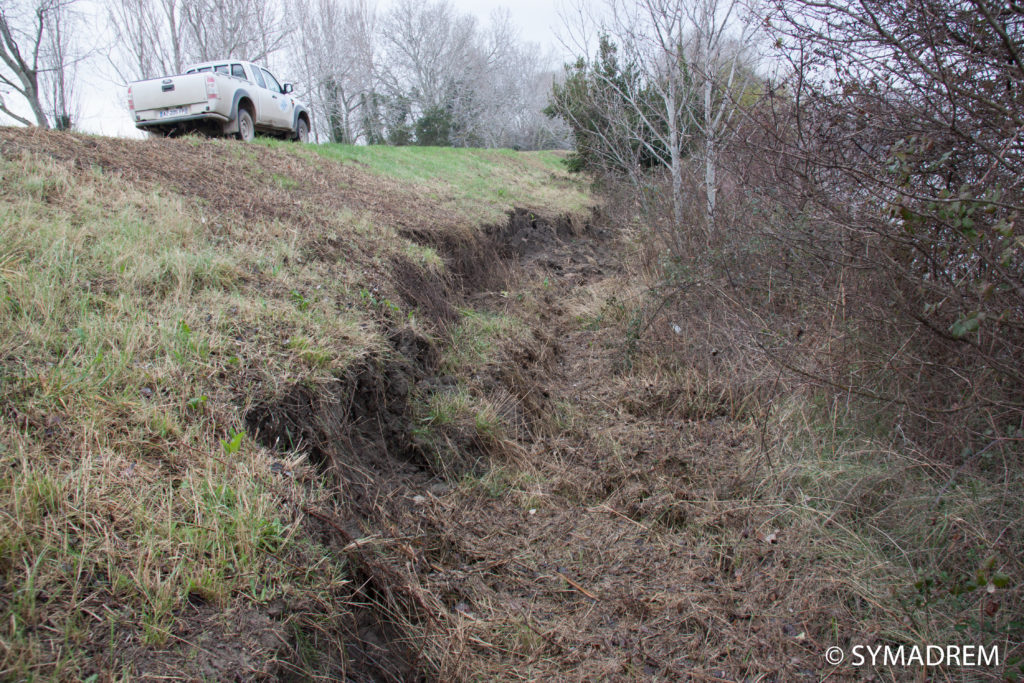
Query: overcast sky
[103,107]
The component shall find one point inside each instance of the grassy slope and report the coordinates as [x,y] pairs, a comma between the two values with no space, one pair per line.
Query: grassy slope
[479,184]
[137,324]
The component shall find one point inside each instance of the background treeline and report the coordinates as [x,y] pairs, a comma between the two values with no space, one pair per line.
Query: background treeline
[414,73]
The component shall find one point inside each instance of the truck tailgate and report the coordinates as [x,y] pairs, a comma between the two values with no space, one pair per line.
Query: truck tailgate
[172,91]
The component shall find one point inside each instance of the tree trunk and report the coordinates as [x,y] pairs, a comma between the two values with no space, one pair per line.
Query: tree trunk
[710,158]
[30,81]
[676,167]
[37,109]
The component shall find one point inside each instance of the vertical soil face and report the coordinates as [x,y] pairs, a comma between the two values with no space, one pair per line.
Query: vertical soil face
[358,424]
[528,234]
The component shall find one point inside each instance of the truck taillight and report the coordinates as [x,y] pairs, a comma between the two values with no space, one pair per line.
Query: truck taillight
[211,88]
[131,101]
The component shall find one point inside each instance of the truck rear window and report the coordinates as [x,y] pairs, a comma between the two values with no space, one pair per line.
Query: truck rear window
[238,71]
[221,68]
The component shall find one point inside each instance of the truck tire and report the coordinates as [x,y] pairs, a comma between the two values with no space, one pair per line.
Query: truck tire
[301,131]
[246,129]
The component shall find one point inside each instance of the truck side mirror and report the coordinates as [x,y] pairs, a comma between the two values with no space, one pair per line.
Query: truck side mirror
[287,88]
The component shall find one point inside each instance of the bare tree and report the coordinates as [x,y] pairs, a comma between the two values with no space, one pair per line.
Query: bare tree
[722,39]
[36,49]
[335,54]
[62,54]
[665,75]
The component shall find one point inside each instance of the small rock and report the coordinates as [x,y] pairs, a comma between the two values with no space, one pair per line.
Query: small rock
[146,392]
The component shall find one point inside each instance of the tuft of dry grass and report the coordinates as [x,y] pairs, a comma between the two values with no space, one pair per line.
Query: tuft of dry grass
[919,552]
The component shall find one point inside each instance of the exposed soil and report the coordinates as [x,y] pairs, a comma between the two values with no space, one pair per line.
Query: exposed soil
[242,644]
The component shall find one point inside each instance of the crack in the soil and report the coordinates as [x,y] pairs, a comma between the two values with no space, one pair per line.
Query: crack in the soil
[358,428]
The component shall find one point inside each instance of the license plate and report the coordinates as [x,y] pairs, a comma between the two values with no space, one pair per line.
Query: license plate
[167,113]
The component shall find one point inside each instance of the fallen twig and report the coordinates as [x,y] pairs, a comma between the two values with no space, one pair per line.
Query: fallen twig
[578,587]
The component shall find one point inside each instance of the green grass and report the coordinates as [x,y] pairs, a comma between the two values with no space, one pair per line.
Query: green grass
[474,341]
[479,183]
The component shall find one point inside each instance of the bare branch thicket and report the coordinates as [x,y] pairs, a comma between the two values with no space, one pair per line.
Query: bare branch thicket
[463,83]
[40,54]
[499,99]
[244,29]
[158,37]
[427,54]
[335,56]
[895,170]
[150,35]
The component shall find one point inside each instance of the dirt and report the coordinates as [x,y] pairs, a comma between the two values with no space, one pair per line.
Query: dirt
[528,234]
[240,644]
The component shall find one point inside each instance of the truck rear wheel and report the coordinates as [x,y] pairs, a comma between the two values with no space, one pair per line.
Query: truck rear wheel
[246,129]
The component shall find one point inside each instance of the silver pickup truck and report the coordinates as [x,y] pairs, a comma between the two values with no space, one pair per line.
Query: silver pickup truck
[226,97]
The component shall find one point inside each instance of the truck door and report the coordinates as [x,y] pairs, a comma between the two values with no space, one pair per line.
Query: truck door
[264,104]
[283,105]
